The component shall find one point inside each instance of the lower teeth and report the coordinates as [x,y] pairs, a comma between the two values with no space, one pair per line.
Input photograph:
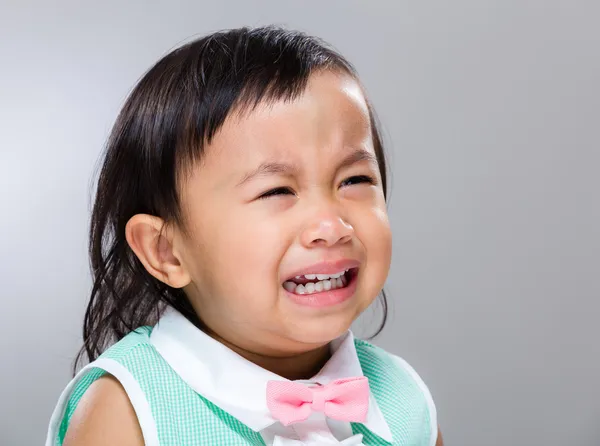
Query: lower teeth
[310,288]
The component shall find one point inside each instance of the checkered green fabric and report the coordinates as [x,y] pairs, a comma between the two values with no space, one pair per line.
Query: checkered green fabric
[401,400]
[184,418]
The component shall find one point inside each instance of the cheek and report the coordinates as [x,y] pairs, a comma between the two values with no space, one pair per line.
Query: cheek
[241,252]
[385,240]
[376,236]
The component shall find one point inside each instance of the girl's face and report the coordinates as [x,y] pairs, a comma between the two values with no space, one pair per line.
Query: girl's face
[288,189]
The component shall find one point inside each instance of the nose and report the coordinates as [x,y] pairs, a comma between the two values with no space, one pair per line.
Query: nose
[327,230]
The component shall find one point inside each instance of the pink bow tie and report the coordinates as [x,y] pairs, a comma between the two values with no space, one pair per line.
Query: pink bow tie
[344,399]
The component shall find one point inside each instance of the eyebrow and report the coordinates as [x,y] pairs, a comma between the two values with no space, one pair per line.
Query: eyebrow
[356,157]
[266,169]
[278,168]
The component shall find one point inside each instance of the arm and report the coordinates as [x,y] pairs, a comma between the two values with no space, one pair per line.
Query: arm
[440,441]
[104,417]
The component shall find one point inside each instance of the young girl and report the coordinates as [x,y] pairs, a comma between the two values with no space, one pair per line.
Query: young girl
[239,228]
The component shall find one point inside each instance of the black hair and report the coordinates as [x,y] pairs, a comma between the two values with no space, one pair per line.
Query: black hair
[168,118]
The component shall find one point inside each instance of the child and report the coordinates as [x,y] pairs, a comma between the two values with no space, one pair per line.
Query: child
[239,228]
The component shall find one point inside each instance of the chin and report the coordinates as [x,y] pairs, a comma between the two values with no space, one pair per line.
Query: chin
[322,330]
[317,326]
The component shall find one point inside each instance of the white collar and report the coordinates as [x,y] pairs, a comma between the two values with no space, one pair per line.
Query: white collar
[222,376]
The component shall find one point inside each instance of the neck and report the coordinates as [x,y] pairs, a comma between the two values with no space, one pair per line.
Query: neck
[299,366]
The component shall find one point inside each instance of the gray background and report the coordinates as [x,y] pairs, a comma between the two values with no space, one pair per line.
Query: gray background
[491,110]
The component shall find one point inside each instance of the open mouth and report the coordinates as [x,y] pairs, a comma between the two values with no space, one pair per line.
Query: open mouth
[318,283]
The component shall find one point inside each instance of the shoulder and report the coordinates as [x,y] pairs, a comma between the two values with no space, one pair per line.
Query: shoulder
[370,354]
[104,416]
[132,343]
[410,371]
[396,375]
[107,393]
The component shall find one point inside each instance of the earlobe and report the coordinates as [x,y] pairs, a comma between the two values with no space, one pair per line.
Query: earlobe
[152,242]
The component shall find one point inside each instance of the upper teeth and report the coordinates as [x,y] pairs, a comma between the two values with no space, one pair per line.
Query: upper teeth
[310,287]
[322,276]
[325,282]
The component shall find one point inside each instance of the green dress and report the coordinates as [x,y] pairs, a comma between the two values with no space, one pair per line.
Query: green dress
[176,415]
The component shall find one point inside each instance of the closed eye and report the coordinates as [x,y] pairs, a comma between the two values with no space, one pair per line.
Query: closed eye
[278,191]
[358,179]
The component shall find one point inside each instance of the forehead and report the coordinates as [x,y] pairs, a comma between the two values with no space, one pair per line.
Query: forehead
[330,116]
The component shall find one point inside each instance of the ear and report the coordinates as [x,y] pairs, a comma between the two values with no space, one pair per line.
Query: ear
[152,242]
